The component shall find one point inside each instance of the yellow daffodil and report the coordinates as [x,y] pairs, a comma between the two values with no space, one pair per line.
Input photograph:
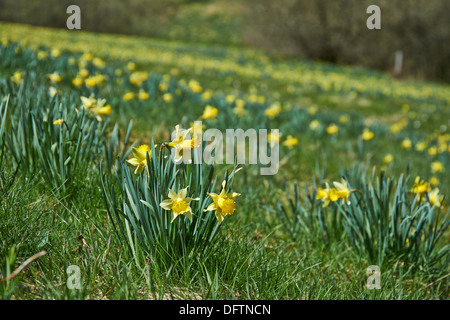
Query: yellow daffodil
[77,82]
[434,181]
[367,135]
[223,203]
[314,125]
[206,95]
[58,122]
[344,119]
[99,63]
[17,77]
[54,77]
[167,97]
[55,53]
[290,141]
[52,91]
[435,197]
[138,77]
[131,66]
[406,144]
[437,166]
[210,112]
[42,55]
[139,159]
[128,96]
[180,143]
[343,191]
[273,110]
[388,158]
[332,129]
[327,195]
[142,95]
[83,73]
[195,86]
[421,146]
[312,110]
[178,203]
[433,151]
[420,187]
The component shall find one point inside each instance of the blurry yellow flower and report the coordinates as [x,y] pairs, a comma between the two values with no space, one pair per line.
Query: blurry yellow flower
[437,166]
[210,112]
[312,110]
[405,107]
[367,135]
[406,144]
[343,191]
[58,122]
[54,77]
[240,111]
[290,141]
[131,66]
[55,53]
[87,56]
[240,103]
[420,187]
[421,146]
[83,73]
[435,197]
[77,82]
[178,203]
[137,78]
[139,159]
[72,61]
[433,151]
[398,126]
[223,203]
[195,86]
[42,55]
[180,143]
[52,91]
[163,86]
[273,110]
[388,158]
[91,82]
[99,63]
[344,119]
[332,129]
[434,181]
[230,98]
[17,77]
[142,95]
[128,96]
[206,95]
[167,97]
[314,125]
[102,110]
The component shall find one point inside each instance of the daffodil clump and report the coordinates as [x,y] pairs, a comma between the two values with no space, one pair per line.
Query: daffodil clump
[96,106]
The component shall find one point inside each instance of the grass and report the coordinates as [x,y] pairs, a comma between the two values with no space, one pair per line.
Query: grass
[253,257]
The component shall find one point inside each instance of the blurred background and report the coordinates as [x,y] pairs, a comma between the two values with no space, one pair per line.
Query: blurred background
[321,30]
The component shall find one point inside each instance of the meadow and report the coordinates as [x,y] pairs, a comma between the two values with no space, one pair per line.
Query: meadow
[86,174]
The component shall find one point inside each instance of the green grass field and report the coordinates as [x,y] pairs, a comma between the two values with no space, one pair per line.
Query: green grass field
[66,186]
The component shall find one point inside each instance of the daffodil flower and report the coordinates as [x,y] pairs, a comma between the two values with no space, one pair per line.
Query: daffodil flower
[180,143]
[223,203]
[139,159]
[178,203]
[435,198]
[420,187]
[210,112]
[343,190]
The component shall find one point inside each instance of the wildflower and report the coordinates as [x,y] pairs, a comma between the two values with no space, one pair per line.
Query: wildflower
[52,91]
[77,82]
[83,73]
[55,77]
[58,122]
[388,158]
[435,198]
[99,63]
[223,203]
[421,146]
[131,66]
[210,112]
[344,119]
[139,159]
[312,110]
[437,166]
[167,97]
[195,86]
[17,77]
[91,82]
[332,129]
[180,143]
[178,203]
[100,110]
[432,151]
[314,125]
[434,181]
[206,95]
[128,96]
[406,144]
[420,187]
[273,110]
[343,191]
[290,141]
[42,55]
[142,95]
[88,102]
[367,135]
[137,78]
[55,53]
[327,195]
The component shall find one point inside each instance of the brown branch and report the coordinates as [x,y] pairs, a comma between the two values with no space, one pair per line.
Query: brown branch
[24,265]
